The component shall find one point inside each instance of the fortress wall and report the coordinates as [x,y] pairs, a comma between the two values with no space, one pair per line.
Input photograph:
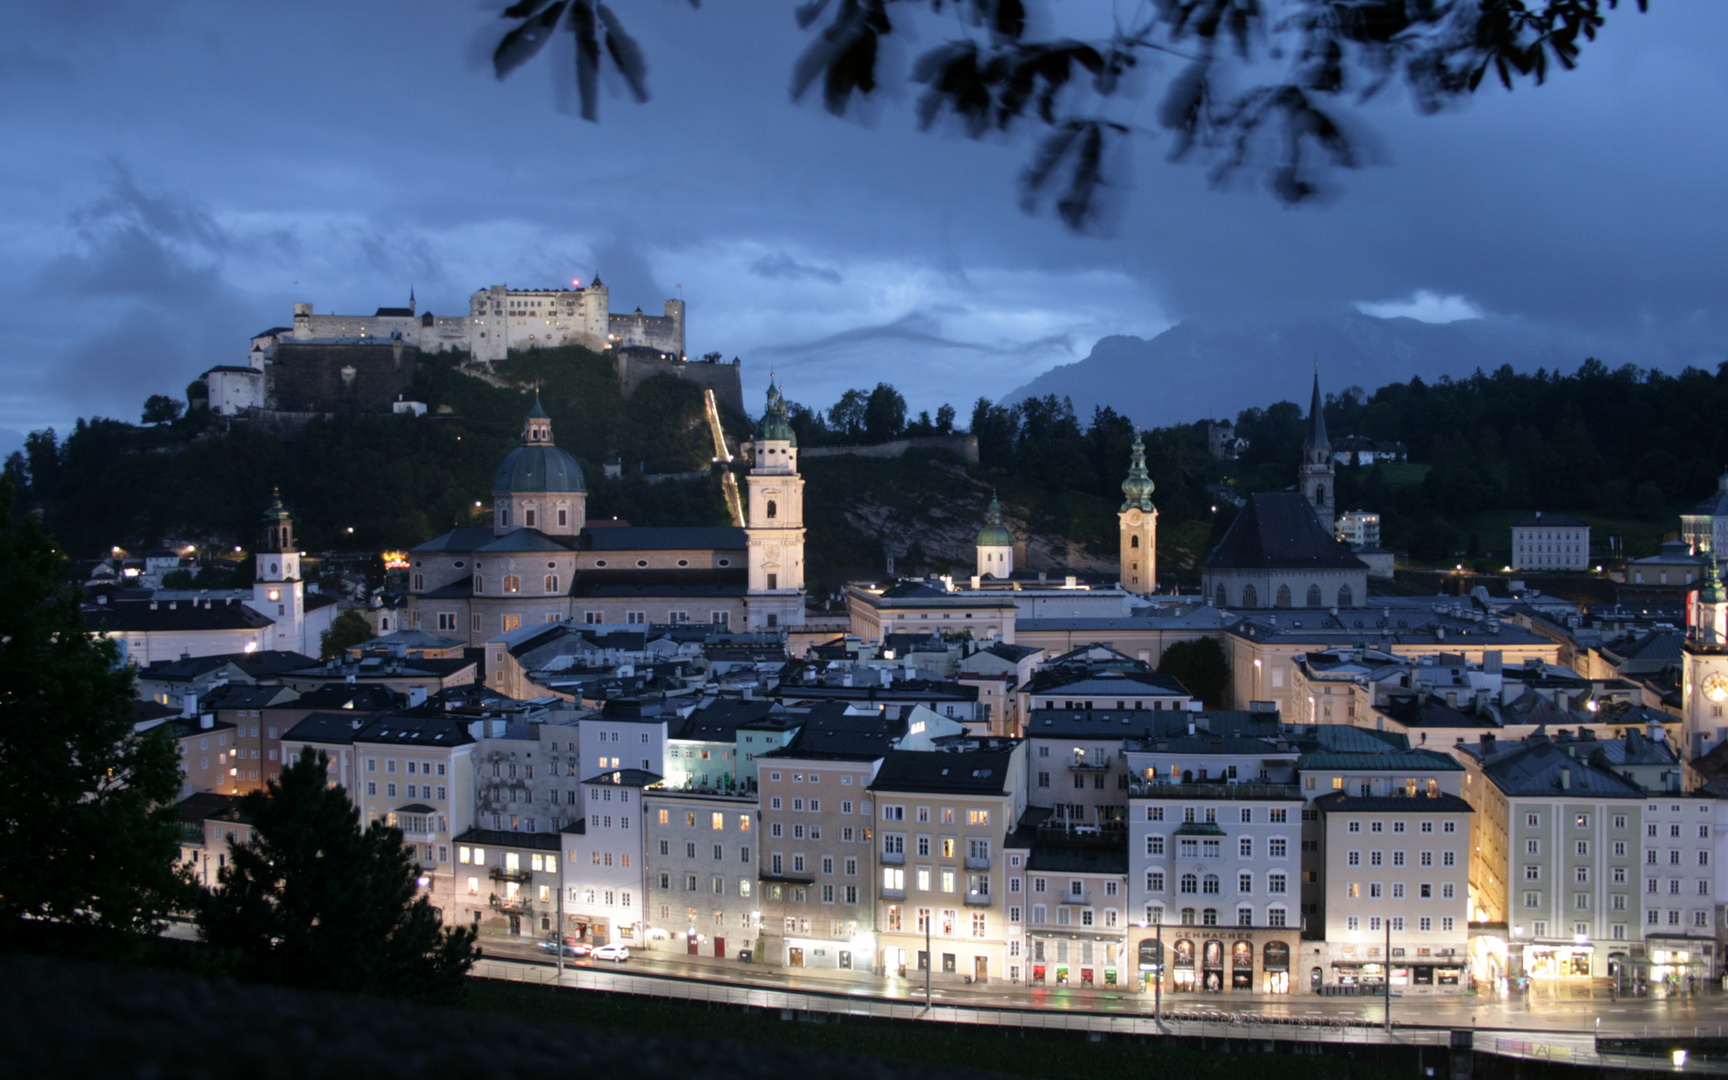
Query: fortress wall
[636,368]
[965,445]
[339,378]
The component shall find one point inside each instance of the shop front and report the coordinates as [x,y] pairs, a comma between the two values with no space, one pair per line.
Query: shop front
[1558,961]
[1182,966]
[1077,960]
[820,953]
[1234,962]
[1275,968]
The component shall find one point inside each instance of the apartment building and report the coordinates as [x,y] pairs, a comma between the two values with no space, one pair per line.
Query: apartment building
[415,773]
[945,815]
[702,889]
[605,857]
[1396,873]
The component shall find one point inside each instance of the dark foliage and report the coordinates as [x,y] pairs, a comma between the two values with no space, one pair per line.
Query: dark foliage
[1302,65]
[87,835]
[1200,667]
[346,631]
[312,901]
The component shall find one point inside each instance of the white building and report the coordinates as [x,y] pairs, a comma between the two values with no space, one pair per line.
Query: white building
[1550,542]
[1359,528]
[605,860]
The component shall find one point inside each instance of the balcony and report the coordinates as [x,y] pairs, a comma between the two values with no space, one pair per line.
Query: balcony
[1082,765]
[974,898]
[893,858]
[1071,831]
[517,905]
[977,862]
[891,894]
[1076,899]
[521,877]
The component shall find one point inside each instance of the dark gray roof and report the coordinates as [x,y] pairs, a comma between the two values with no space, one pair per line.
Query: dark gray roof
[132,616]
[1342,802]
[523,540]
[1533,767]
[664,538]
[1415,760]
[1059,858]
[500,838]
[403,729]
[466,538]
[719,721]
[1278,529]
[349,698]
[1011,653]
[538,467]
[202,806]
[1554,521]
[329,728]
[969,772]
[830,733]
[626,778]
[1103,683]
[245,696]
[1145,723]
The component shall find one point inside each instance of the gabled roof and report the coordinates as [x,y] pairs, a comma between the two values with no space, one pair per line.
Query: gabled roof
[1279,530]
[1533,767]
[830,732]
[720,720]
[404,729]
[954,772]
[328,728]
[185,616]
[348,697]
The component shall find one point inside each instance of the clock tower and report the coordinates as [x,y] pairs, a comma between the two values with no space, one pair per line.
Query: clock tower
[1138,530]
[1704,660]
[775,530]
[277,592]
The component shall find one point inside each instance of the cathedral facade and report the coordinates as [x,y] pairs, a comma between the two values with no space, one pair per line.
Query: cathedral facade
[542,561]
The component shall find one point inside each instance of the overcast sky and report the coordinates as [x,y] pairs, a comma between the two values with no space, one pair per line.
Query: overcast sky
[179,172]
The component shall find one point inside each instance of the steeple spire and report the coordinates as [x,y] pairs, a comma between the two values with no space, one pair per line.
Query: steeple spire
[411,304]
[1137,489]
[1316,418]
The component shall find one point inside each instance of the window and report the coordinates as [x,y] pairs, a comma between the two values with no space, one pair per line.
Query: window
[1245,847]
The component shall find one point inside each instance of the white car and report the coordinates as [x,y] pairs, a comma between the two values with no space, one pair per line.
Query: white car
[616,953]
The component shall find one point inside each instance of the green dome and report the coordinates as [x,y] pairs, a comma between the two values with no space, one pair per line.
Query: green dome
[774,422]
[1712,591]
[533,469]
[994,533]
[1137,489]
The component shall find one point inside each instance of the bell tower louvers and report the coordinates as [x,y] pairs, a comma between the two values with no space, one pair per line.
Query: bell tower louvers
[775,530]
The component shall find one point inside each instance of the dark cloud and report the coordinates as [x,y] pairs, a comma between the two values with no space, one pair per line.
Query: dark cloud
[783,267]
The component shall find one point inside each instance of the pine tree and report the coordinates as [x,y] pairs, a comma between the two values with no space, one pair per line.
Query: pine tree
[313,901]
[87,833]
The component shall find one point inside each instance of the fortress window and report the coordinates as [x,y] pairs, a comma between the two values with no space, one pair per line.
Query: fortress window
[512,583]
[773,508]
[1134,541]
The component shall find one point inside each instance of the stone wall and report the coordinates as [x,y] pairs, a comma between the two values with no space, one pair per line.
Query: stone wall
[637,366]
[339,378]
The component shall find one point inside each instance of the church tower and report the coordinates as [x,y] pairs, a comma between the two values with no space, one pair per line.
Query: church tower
[277,592]
[1704,658]
[1316,474]
[775,531]
[538,485]
[1139,526]
[995,544]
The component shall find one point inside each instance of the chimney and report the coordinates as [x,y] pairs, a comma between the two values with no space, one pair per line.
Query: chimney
[189,704]
[206,721]
[416,696]
[1565,778]
[1190,727]
[1487,742]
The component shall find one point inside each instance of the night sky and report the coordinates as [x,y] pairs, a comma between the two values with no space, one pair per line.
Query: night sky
[177,174]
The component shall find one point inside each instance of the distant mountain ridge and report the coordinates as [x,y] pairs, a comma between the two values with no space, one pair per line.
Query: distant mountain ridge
[1211,368]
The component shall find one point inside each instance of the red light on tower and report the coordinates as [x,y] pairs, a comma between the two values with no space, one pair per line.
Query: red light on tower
[576,282]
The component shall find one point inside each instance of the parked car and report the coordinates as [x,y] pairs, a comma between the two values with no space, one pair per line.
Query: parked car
[571,948]
[617,953]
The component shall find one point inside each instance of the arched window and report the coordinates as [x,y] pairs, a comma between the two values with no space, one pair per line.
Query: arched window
[1133,541]
[1190,883]
[1249,597]
[1314,596]
[1223,597]
[551,583]
[1320,495]
[1210,884]
[1283,599]
[512,583]
[419,582]
[1345,597]
[773,508]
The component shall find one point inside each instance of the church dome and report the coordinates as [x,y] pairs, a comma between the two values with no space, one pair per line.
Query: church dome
[537,465]
[529,469]
[775,424]
[994,533]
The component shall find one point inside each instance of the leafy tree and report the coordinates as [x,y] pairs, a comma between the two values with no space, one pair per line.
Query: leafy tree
[1243,85]
[346,631]
[945,419]
[312,901]
[884,414]
[162,409]
[178,579]
[1199,665]
[847,415]
[87,835]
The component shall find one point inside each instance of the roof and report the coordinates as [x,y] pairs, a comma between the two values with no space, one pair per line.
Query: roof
[1279,530]
[1059,858]
[1415,760]
[829,732]
[538,468]
[719,721]
[402,729]
[350,698]
[132,616]
[955,772]
[465,538]
[1316,417]
[523,540]
[245,696]
[665,538]
[1011,653]
[332,728]
[1102,683]
[500,838]
[201,806]
[994,533]
[1550,521]
[1338,802]
[626,778]
[1533,767]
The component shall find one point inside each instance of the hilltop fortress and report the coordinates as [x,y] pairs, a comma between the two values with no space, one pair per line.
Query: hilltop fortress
[366,363]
